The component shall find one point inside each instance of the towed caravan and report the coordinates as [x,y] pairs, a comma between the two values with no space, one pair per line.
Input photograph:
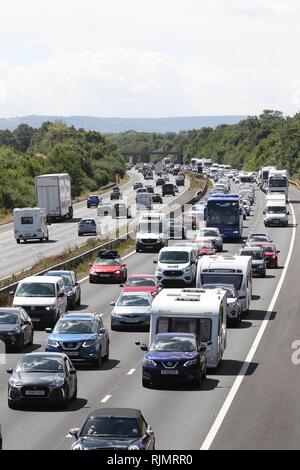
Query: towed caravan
[198,311]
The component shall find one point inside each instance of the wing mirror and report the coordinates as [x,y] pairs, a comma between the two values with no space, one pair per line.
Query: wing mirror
[155,261]
[9,371]
[48,330]
[112,303]
[74,432]
[150,432]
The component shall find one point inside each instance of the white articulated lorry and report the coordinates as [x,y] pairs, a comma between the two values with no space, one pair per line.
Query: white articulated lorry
[30,223]
[53,192]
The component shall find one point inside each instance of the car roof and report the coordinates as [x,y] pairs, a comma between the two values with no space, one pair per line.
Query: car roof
[10,309]
[43,353]
[58,271]
[79,315]
[51,279]
[116,413]
[189,335]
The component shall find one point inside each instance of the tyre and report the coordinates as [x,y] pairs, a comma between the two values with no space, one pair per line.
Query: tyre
[146,383]
[74,397]
[106,357]
[97,362]
[21,344]
[18,241]
[12,405]
[204,372]
[78,303]
[31,339]
[112,327]
[197,381]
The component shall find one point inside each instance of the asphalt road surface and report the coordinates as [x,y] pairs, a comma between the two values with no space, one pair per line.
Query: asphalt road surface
[263,413]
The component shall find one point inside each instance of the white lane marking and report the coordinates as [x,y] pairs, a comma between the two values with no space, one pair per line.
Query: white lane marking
[240,377]
[131,371]
[105,399]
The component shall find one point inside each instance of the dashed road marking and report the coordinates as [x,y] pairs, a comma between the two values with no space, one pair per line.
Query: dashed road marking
[131,371]
[105,399]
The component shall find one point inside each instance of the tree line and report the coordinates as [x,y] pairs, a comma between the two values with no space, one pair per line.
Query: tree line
[90,158]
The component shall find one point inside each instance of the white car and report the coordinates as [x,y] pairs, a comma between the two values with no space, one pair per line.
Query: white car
[234,310]
[213,234]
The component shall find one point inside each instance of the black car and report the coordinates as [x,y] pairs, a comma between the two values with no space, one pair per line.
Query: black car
[150,189]
[114,429]
[160,181]
[42,378]
[157,199]
[16,328]
[168,189]
[72,287]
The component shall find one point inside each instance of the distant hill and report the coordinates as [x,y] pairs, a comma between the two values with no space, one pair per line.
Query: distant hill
[162,125]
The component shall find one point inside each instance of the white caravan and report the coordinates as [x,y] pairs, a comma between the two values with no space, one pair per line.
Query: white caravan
[227,269]
[198,311]
[30,223]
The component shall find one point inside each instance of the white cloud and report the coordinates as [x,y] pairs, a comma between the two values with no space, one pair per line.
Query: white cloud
[133,58]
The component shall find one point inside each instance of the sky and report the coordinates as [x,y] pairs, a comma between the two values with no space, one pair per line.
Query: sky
[138,58]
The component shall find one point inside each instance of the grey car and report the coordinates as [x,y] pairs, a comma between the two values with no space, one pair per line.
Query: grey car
[72,287]
[87,226]
[132,309]
[258,259]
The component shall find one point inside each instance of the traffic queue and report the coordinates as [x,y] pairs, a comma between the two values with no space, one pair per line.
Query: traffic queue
[194,293]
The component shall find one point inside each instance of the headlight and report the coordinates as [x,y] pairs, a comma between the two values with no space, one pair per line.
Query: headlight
[51,307]
[15,382]
[69,294]
[117,272]
[51,342]
[191,362]
[134,447]
[88,343]
[57,382]
[149,362]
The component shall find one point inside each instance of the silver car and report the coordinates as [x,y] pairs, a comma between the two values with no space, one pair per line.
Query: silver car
[212,234]
[132,309]
[234,310]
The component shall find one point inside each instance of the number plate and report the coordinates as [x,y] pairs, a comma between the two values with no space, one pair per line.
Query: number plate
[72,353]
[131,320]
[35,392]
[169,372]
[35,319]
[104,275]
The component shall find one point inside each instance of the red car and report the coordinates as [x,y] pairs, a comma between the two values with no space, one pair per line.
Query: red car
[205,247]
[271,254]
[108,267]
[141,283]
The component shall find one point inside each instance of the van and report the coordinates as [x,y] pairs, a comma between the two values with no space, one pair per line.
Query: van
[30,224]
[227,269]
[276,213]
[152,232]
[176,266]
[198,311]
[44,298]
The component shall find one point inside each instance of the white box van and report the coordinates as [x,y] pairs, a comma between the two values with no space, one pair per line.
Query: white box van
[30,224]
[228,269]
[152,232]
[43,297]
[276,213]
[198,311]
[176,266]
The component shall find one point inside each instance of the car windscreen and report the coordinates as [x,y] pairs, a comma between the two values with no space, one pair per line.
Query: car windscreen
[208,233]
[75,327]
[66,278]
[111,427]
[150,227]
[107,262]
[8,318]
[133,301]
[174,257]
[223,278]
[38,363]
[36,289]
[88,222]
[269,249]
[258,238]
[173,344]
[276,210]
[140,281]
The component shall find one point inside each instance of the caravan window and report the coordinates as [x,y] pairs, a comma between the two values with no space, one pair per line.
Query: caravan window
[200,326]
[223,278]
[26,220]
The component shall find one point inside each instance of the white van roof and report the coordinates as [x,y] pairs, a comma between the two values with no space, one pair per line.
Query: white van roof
[191,301]
[178,248]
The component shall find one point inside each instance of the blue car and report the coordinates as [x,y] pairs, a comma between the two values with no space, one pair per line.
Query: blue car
[81,336]
[174,357]
[93,200]
[87,226]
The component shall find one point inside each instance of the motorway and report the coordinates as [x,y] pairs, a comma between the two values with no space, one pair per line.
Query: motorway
[63,236]
[263,414]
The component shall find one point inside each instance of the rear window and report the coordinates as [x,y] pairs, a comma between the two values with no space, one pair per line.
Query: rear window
[133,301]
[26,220]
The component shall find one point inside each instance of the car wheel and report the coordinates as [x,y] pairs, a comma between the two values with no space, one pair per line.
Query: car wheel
[78,303]
[204,373]
[12,405]
[74,397]
[106,357]
[197,381]
[146,383]
[21,344]
[97,362]
[18,241]
[31,339]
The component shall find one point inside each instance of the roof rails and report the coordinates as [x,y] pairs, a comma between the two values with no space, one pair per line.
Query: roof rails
[108,254]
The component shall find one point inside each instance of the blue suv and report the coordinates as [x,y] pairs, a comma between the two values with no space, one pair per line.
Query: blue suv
[174,357]
[80,335]
[93,200]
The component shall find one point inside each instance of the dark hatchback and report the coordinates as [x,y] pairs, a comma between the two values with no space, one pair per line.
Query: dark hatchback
[157,199]
[80,335]
[42,378]
[93,200]
[168,189]
[174,357]
[16,328]
[114,429]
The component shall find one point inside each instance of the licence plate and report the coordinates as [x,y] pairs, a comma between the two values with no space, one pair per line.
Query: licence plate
[131,320]
[72,353]
[34,392]
[169,372]
[35,320]
[104,275]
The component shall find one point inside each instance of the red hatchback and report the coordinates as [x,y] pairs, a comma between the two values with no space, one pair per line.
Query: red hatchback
[205,247]
[141,283]
[270,253]
[108,267]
